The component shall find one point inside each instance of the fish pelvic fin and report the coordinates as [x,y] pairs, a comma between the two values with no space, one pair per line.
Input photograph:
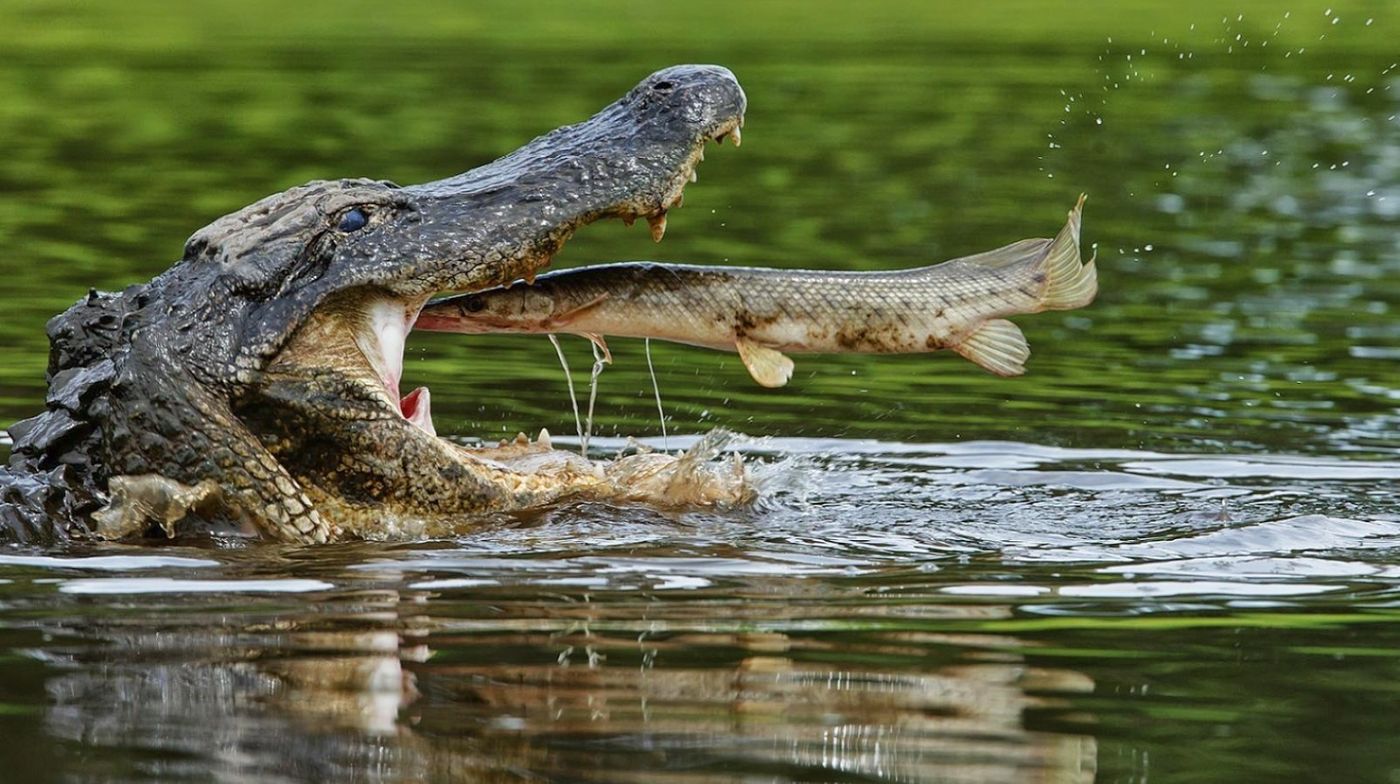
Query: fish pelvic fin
[1070,283]
[997,346]
[601,344]
[769,367]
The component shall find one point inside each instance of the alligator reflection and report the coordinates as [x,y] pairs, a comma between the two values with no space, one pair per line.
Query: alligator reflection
[373,688]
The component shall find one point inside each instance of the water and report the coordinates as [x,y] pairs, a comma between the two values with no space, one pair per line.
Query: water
[1168,553]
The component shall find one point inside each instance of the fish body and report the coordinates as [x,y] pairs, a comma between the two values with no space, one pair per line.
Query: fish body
[763,313]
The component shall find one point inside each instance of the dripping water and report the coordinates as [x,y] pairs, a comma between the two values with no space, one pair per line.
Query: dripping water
[656,390]
[573,399]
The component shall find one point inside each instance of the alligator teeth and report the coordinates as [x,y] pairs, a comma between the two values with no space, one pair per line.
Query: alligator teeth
[529,278]
[658,226]
[702,154]
[738,138]
[693,176]
[543,440]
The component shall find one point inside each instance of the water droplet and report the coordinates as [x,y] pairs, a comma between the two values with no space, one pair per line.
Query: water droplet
[1147,248]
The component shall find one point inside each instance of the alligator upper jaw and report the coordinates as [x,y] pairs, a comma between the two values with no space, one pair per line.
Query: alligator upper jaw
[506,220]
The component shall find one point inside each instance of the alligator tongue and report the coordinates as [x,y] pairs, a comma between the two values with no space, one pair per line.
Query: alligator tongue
[417,408]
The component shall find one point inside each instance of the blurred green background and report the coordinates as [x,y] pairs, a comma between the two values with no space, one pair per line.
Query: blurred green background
[1241,167]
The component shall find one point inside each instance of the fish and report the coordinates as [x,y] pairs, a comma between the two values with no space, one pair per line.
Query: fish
[764,313]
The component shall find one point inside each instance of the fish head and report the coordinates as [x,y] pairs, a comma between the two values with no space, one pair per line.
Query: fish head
[516,308]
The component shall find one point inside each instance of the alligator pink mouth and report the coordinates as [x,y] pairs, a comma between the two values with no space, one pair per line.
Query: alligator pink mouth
[416,407]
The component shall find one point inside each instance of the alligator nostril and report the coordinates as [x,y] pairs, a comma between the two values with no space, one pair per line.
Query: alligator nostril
[663,86]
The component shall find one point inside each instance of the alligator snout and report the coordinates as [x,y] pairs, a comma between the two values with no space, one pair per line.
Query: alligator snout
[707,98]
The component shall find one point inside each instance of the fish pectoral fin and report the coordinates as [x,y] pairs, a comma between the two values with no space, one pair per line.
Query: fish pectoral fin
[769,367]
[563,319]
[997,346]
[602,345]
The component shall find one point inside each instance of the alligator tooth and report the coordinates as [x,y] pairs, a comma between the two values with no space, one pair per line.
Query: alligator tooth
[741,121]
[702,154]
[658,226]
[678,201]
[693,176]
[544,440]
[738,138]
[529,278]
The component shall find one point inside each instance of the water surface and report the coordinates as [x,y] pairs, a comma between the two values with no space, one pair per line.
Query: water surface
[1168,553]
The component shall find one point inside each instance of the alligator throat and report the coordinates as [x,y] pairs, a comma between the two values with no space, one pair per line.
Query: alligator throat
[380,330]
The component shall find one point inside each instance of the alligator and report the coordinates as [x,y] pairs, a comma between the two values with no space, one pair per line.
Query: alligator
[254,385]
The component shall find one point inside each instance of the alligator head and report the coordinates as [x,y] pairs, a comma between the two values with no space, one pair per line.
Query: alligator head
[258,378]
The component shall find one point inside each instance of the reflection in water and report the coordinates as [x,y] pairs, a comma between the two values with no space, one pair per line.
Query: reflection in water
[377,687]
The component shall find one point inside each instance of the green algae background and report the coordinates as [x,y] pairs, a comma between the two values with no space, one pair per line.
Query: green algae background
[1240,163]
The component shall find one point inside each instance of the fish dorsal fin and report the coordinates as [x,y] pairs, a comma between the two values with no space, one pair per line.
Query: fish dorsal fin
[1018,252]
[997,346]
[769,367]
[559,320]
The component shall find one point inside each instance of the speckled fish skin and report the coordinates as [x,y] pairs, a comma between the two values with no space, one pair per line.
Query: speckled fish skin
[941,306]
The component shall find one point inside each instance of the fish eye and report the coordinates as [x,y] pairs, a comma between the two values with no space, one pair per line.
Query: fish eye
[473,304]
[354,220]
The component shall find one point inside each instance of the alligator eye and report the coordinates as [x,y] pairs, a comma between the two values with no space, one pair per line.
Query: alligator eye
[354,220]
[473,304]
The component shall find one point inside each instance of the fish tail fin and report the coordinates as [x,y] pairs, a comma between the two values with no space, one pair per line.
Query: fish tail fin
[1070,283]
[997,346]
